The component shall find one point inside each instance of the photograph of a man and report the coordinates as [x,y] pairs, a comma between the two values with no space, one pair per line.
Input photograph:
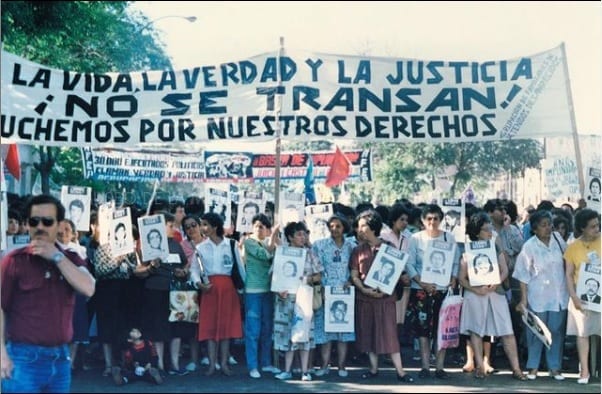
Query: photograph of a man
[385,272]
[154,239]
[76,211]
[451,220]
[338,312]
[249,210]
[437,262]
[120,235]
[591,293]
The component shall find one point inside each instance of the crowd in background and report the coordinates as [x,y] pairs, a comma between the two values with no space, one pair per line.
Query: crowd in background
[539,254]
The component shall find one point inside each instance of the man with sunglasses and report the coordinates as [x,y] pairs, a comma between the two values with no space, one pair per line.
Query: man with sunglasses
[38,285]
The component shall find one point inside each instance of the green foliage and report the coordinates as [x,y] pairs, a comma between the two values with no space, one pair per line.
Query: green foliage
[82,36]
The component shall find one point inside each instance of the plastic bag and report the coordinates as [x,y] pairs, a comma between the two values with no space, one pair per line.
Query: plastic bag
[183,302]
[303,314]
[448,331]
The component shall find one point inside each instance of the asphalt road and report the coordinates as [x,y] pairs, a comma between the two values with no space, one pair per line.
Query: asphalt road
[92,381]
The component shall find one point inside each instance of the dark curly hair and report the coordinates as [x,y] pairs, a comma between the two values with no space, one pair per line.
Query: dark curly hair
[476,221]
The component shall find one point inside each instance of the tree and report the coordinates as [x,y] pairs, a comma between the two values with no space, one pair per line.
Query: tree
[411,168]
[83,36]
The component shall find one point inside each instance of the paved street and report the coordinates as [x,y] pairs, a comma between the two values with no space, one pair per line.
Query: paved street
[92,381]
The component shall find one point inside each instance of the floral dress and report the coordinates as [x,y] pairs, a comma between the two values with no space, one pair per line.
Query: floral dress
[336,273]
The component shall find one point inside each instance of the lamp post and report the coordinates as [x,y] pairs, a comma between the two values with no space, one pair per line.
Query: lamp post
[190,19]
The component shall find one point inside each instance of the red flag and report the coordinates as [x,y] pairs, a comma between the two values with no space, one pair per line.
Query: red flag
[13,164]
[339,169]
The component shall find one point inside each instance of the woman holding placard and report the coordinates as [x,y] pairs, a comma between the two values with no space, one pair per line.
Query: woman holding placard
[284,311]
[376,322]
[334,252]
[485,309]
[540,270]
[584,252]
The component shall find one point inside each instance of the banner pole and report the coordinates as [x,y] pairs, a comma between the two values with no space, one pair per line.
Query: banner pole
[573,123]
[278,132]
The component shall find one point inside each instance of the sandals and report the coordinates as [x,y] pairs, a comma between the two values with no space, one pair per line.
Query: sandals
[519,375]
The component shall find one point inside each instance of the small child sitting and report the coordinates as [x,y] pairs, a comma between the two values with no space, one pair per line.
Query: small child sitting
[140,361]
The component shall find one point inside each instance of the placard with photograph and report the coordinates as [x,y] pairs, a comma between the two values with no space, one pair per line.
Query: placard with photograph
[105,220]
[386,268]
[593,189]
[588,285]
[249,205]
[437,262]
[153,237]
[453,217]
[316,218]
[339,309]
[16,241]
[76,200]
[287,274]
[291,208]
[218,201]
[122,236]
[482,264]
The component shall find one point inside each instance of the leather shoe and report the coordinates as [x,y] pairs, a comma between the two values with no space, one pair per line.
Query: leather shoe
[424,374]
[441,374]
[369,375]
[407,378]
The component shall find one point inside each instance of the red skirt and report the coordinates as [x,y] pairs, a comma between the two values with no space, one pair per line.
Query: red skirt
[220,315]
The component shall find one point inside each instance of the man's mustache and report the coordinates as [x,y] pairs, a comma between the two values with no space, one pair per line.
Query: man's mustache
[40,232]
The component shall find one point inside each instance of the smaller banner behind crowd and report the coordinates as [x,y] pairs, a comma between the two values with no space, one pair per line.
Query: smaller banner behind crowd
[146,166]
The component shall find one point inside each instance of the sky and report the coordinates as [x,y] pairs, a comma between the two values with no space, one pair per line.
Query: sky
[472,31]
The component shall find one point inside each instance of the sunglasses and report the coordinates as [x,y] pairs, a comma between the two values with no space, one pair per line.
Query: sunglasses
[34,221]
[191,225]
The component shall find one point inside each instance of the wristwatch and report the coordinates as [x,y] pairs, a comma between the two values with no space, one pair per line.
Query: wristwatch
[57,257]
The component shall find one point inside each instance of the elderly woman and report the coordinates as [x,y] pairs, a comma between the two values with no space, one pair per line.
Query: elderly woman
[485,309]
[334,252]
[426,298]
[585,250]
[376,323]
[540,270]
[284,315]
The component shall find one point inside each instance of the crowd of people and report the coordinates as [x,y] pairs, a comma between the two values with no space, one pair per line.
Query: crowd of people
[65,289]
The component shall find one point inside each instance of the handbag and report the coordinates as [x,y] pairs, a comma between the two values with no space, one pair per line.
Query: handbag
[183,301]
[318,298]
[448,330]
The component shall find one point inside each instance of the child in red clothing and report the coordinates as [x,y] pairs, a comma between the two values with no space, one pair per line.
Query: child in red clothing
[140,361]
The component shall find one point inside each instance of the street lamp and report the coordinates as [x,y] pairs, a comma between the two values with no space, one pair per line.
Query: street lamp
[190,19]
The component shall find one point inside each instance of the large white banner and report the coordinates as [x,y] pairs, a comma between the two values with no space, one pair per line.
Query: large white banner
[323,96]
